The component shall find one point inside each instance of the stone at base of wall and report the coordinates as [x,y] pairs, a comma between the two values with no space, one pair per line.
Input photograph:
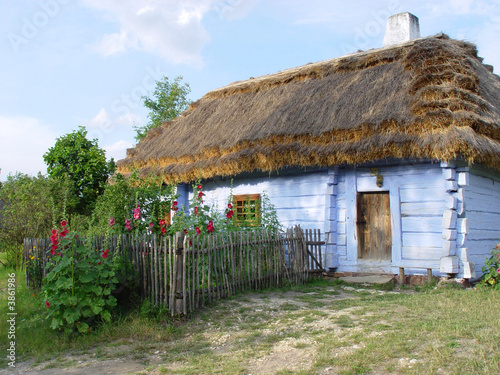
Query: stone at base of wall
[410,280]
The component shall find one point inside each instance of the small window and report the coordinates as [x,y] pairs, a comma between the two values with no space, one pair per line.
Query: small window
[246,209]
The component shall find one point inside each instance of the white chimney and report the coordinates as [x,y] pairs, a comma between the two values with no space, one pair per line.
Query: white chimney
[401,28]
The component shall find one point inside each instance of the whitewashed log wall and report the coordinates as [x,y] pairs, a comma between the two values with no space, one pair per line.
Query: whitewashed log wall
[443,215]
[479,219]
[418,201]
[298,199]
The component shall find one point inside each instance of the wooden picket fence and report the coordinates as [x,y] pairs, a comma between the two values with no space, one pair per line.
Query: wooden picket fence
[185,273]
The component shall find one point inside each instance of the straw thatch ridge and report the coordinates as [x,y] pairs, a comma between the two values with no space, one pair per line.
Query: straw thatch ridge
[431,98]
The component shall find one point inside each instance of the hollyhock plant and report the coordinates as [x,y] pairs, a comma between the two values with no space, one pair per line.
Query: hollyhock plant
[491,269]
[78,286]
[112,222]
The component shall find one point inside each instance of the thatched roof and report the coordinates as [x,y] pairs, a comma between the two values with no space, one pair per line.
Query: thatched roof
[431,98]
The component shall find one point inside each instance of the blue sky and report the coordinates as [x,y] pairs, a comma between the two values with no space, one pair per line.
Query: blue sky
[67,63]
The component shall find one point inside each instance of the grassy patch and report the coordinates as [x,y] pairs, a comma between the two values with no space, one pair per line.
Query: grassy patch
[443,330]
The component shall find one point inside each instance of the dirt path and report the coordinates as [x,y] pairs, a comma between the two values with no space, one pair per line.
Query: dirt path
[260,333]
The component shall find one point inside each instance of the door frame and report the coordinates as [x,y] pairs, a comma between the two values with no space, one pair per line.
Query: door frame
[359,182]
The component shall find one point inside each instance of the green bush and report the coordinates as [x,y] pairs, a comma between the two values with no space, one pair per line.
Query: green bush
[31,206]
[78,287]
[491,269]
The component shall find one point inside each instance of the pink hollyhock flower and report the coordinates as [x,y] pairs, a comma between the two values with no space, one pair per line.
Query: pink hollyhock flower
[151,225]
[198,231]
[63,233]
[63,223]
[195,211]
[229,205]
[111,221]
[54,232]
[47,304]
[498,270]
[174,206]
[137,213]
[128,225]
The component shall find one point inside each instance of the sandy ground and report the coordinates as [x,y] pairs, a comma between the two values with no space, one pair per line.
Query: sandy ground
[292,354]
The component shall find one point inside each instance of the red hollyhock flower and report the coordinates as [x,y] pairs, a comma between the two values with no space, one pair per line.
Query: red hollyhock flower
[230,214]
[47,304]
[200,194]
[198,231]
[63,223]
[195,211]
[162,222]
[199,187]
[105,253]
[186,231]
[210,226]
[229,205]
[54,232]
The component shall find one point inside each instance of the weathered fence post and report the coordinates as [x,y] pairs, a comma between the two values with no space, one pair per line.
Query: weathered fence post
[179,297]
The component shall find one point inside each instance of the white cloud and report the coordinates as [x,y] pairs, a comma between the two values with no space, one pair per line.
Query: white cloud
[118,150]
[171,29]
[23,141]
[99,121]
[105,123]
[114,43]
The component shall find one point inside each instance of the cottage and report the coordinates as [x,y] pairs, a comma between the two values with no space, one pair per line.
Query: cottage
[393,152]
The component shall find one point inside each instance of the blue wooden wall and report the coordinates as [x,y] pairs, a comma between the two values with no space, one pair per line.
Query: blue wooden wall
[479,229]
[444,216]
[417,199]
[299,198]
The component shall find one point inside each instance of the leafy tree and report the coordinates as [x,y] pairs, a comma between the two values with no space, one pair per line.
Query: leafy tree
[169,101]
[84,164]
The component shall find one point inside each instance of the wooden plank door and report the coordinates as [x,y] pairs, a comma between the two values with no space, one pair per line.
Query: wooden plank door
[373,224]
